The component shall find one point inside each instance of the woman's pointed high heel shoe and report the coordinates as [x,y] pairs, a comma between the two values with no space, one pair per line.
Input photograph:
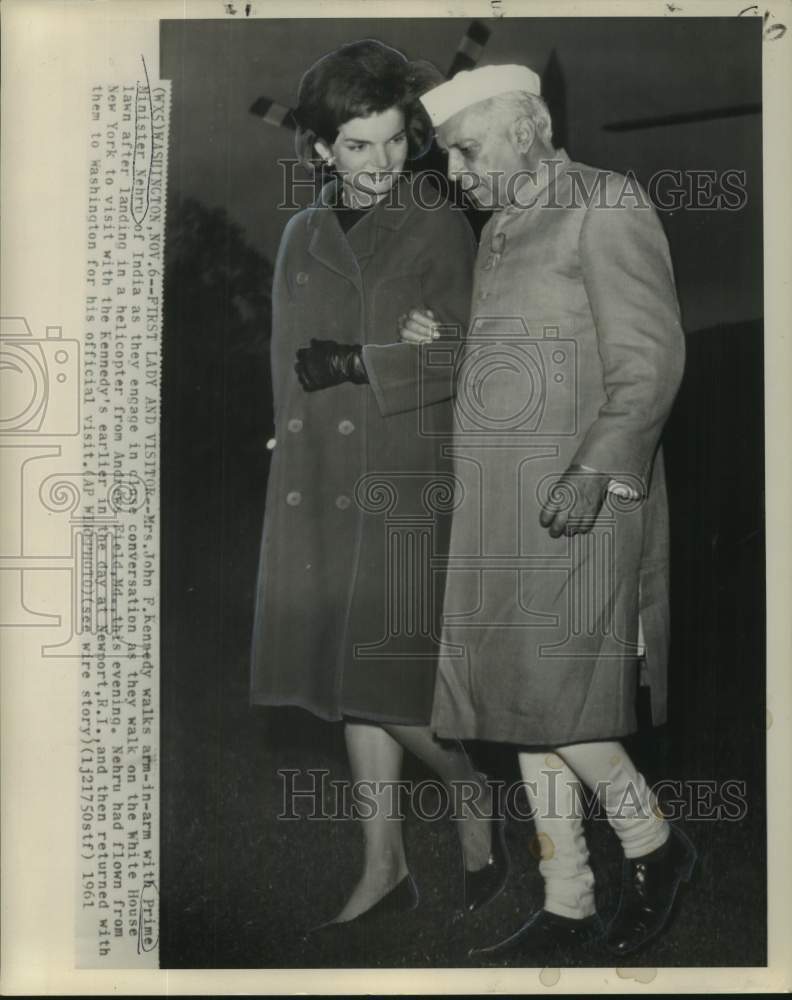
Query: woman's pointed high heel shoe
[401,898]
[484,884]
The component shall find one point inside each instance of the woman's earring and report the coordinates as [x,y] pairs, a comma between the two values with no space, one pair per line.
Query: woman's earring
[324,152]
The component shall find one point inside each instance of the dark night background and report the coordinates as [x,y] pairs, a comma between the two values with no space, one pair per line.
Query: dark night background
[238,887]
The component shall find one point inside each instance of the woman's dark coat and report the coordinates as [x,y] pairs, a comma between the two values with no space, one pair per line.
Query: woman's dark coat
[347,613]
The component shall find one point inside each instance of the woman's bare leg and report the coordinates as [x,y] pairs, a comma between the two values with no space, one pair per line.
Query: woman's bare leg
[375,759]
[470,795]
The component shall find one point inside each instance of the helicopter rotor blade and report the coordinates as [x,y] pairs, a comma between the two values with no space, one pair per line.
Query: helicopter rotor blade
[273,113]
[683,118]
[466,56]
[470,49]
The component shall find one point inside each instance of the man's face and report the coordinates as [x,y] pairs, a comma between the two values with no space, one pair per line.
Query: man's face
[482,155]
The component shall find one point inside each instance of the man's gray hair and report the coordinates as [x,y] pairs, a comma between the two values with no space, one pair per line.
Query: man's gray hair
[520,104]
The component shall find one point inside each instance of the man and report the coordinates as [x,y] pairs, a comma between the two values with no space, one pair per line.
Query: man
[559,543]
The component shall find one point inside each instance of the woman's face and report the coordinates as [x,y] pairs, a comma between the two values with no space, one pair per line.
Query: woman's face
[369,153]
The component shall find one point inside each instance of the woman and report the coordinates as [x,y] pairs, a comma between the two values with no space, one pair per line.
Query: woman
[346,618]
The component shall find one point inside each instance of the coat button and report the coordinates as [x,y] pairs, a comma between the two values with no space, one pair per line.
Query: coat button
[302,278]
[346,427]
[342,502]
[294,499]
[271,444]
[295,425]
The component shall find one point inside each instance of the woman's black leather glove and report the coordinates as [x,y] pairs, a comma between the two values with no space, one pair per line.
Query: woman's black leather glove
[327,363]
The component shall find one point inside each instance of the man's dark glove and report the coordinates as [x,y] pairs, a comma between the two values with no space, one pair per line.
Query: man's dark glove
[326,363]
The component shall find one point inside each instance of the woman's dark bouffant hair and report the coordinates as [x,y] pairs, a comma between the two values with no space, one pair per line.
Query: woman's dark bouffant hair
[358,80]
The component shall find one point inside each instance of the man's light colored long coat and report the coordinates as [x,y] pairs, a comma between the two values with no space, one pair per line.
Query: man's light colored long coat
[574,355]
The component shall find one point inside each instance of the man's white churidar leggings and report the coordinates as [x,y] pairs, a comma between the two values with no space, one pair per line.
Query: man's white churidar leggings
[554,793]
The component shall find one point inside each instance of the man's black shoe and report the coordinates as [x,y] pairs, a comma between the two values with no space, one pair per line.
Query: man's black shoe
[649,887]
[546,934]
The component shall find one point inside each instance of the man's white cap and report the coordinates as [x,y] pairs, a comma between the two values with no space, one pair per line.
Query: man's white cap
[473,85]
